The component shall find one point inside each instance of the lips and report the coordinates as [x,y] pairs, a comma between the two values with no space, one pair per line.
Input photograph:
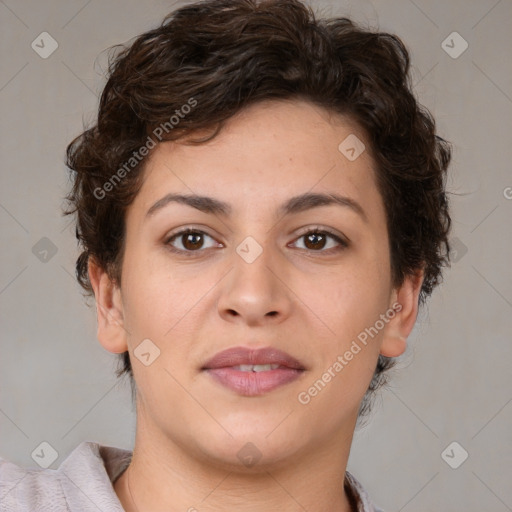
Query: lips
[234,368]
[243,356]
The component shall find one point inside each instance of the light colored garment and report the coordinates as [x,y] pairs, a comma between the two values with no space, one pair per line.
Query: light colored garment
[84,482]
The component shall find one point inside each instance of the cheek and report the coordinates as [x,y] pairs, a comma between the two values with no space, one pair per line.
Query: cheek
[347,301]
[147,293]
[166,306]
[346,352]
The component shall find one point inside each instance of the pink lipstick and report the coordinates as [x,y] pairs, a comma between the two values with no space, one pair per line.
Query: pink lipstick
[253,372]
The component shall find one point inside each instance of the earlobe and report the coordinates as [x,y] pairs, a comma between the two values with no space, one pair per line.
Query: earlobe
[393,345]
[111,330]
[405,304]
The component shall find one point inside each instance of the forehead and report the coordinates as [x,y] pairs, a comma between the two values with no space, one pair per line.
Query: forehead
[267,153]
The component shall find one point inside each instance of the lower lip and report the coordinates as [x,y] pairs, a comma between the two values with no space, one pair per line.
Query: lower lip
[253,383]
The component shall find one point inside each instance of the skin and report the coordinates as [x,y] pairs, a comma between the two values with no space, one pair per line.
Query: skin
[310,300]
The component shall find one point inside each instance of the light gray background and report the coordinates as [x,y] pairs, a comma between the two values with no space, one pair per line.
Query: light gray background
[58,383]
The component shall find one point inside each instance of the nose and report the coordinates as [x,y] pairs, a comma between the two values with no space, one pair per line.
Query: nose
[256,292]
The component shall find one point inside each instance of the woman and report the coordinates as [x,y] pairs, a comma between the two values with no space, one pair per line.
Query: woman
[261,208]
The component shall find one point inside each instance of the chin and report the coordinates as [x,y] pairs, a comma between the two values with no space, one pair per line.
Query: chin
[250,449]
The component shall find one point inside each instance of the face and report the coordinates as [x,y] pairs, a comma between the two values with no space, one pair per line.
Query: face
[308,280]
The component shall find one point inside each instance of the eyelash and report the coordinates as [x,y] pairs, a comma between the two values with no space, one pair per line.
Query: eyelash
[317,230]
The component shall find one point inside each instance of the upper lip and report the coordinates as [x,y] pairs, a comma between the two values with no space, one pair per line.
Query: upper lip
[242,355]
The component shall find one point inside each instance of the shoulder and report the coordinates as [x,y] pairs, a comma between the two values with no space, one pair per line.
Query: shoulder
[28,489]
[362,500]
[83,481]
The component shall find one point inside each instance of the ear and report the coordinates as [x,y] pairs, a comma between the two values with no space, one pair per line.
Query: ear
[405,304]
[109,309]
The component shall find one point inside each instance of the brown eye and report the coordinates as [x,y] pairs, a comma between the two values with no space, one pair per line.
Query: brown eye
[317,240]
[188,241]
[192,241]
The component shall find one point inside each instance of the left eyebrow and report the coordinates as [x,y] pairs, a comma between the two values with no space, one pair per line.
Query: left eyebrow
[292,206]
[202,203]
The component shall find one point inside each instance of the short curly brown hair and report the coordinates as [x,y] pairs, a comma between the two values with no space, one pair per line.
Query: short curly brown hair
[216,57]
